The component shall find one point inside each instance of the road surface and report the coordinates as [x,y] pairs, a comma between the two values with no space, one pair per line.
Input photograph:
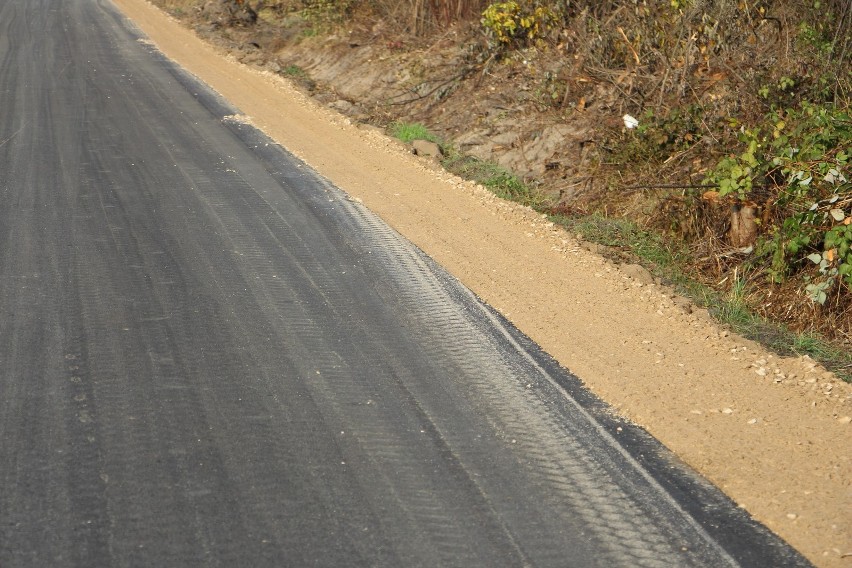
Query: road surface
[213,357]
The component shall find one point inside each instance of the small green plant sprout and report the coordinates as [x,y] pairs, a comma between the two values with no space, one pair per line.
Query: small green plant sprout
[294,71]
[786,83]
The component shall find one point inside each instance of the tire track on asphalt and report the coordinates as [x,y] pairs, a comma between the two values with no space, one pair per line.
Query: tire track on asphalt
[226,361]
[558,462]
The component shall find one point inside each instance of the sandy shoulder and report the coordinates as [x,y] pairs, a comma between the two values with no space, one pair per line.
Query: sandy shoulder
[773,433]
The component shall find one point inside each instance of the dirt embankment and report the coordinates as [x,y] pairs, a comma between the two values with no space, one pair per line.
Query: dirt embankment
[773,433]
[552,114]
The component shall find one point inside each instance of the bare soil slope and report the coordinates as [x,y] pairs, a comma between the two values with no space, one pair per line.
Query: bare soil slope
[773,433]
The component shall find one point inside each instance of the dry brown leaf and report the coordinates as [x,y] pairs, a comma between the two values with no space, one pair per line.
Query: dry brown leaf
[710,195]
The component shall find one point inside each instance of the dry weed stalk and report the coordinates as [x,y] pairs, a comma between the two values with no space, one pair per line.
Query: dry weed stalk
[426,14]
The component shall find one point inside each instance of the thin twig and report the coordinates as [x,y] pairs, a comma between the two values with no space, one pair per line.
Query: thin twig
[485,67]
[629,45]
[424,95]
[673,186]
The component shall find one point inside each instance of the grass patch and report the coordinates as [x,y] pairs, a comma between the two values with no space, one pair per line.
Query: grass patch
[295,72]
[670,262]
[408,132]
[732,309]
[495,178]
[299,76]
[628,239]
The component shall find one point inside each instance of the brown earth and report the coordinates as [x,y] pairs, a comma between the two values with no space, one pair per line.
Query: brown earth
[772,432]
[551,114]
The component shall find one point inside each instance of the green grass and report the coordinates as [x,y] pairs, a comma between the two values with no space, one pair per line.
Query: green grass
[630,239]
[732,308]
[299,76]
[294,71]
[408,132]
[495,178]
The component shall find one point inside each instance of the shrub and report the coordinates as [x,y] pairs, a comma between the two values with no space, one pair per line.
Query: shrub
[800,158]
[517,23]
[326,13]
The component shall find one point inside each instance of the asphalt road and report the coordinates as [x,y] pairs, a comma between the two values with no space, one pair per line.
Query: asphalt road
[209,356]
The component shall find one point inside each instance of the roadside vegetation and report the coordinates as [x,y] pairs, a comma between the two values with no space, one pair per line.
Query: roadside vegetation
[720,152]
[670,261]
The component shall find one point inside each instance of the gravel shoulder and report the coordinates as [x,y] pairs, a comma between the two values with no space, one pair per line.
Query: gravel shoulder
[773,433]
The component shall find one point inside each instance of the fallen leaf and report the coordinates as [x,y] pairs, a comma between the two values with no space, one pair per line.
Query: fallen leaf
[710,195]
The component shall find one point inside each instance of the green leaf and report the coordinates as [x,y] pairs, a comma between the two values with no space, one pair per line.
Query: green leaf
[816,258]
[816,292]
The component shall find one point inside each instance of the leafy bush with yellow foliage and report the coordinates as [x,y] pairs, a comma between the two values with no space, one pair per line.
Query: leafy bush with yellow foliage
[513,23]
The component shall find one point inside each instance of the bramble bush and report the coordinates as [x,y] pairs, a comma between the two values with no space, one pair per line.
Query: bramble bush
[799,158]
